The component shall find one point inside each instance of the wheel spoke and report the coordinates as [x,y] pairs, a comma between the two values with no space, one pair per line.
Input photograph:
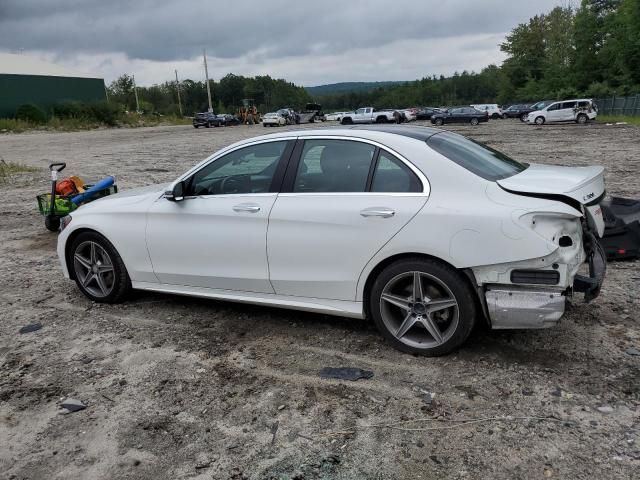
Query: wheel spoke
[87,279]
[101,285]
[403,303]
[82,261]
[105,268]
[432,328]
[417,287]
[408,322]
[93,252]
[437,305]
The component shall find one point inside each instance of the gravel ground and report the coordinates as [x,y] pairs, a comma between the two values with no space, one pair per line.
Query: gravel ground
[185,388]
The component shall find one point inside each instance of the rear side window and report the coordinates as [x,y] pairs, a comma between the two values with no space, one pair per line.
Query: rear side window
[569,105]
[334,166]
[391,175]
[477,158]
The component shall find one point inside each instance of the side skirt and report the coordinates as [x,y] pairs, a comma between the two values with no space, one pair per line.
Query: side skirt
[340,308]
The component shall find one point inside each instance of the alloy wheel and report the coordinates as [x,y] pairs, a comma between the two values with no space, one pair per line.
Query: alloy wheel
[94,269]
[419,310]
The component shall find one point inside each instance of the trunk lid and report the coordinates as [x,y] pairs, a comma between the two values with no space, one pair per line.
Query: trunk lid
[578,186]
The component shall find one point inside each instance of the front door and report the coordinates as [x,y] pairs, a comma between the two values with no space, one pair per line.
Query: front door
[347,199]
[216,236]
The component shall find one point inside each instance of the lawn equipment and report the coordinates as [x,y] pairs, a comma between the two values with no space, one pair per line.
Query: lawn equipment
[68,194]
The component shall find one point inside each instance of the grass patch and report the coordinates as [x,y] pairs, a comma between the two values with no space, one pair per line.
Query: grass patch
[75,124]
[7,169]
[619,118]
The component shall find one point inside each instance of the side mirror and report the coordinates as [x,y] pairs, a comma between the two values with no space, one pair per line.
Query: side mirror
[176,194]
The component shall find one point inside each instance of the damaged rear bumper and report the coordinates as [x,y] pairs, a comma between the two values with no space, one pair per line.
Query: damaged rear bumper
[590,285]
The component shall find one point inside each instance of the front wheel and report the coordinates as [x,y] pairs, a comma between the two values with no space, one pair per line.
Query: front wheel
[539,121]
[474,121]
[423,306]
[495,116]
[346,121]
[98,269]
[505,116]
[439,122]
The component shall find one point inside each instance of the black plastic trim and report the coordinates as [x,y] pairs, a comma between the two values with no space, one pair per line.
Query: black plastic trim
[535,277]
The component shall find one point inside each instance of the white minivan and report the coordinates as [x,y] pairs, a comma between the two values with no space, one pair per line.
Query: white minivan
[579,110]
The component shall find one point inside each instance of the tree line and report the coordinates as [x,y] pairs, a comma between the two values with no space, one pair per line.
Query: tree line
[592,51]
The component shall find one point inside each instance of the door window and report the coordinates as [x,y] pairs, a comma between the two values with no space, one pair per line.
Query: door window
[569,105]
[334,166]
[247,170]
[391,175]
[553,107]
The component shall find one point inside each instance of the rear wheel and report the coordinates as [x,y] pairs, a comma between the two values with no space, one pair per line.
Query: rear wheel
[495,116]
[539,121]
[381,119]
[474,121]
[423,306]
[505,116]
[98,269]
[582,119]
[346,121]
[524,117]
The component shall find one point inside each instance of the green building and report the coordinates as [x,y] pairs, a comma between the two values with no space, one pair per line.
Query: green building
[25,79]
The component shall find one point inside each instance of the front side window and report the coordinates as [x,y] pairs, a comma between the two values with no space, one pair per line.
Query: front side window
[477,158]
[391,175]
[553,107]
[333,166]
[247,170]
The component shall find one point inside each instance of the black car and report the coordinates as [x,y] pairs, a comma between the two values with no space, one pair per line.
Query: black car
[226,119]
[460,115]
[520,111]
[425,113]
[206,119]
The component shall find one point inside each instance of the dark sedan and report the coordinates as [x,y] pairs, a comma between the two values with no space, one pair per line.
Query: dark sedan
[520,111]
[460,115]
[226,119]
[425,113]
[206,119]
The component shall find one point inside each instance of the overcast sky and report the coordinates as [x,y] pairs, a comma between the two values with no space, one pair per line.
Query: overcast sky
[307,42]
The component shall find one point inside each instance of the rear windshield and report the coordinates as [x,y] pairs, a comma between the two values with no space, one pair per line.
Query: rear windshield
[477,158]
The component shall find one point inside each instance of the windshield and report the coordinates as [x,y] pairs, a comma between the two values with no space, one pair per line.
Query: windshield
[484,161]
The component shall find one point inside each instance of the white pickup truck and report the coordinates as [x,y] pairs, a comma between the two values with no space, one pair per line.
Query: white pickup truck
[367,115]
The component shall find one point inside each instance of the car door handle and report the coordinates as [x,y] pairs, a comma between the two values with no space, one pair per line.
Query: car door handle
[246,208]
[378,212]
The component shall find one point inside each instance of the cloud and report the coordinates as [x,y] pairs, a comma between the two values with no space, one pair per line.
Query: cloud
[306,42]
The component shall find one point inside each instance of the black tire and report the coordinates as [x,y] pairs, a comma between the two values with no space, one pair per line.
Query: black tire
[346,121]
[539,120]
[495,116]
[524,117]
[195,126]
[582,119]
[439,122]
[121,283]
[207,125]
[381,119]
[52,223]
[458,286]
[505,116]
[474,121]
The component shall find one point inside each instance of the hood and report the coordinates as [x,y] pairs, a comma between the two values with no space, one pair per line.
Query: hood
[135,192]
[581,187]
[126,198]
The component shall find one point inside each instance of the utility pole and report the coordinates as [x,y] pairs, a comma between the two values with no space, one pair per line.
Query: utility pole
[206,74]
[135,92]
[178,88]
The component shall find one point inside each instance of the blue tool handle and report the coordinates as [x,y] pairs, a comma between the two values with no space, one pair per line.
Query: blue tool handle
[85,196]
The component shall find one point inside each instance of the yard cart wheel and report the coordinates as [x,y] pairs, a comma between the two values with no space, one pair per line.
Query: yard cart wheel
[474,121]
[52,222]
[423,306]
[582,119]
[98,269]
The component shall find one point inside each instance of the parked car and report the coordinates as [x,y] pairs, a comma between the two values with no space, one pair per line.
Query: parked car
[290,115]
[335,116]
[492,109]
[520,111]
[311,113]
[206,119]
[226,119]
[368,115]
[460,115]
[410,114]
[342,222]
[425,113]
[578,110]
[273,119]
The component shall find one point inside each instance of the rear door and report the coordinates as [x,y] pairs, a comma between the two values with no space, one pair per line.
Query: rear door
[343,199]
[567,111]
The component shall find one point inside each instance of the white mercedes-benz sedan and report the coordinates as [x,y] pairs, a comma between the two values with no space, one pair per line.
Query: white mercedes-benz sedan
[422,230]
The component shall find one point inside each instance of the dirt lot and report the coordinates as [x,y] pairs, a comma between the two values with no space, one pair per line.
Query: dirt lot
[186,388]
